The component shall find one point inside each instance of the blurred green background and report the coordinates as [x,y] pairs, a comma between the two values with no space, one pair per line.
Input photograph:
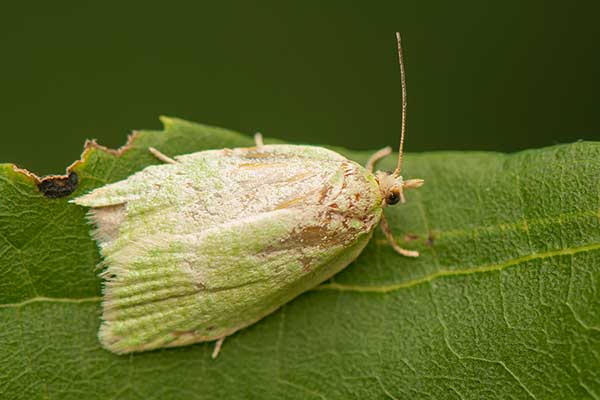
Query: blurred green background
[481,75]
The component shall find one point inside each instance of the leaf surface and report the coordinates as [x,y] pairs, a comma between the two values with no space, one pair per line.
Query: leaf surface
[503,303]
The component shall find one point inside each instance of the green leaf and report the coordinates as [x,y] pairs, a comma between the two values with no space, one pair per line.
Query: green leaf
[503,303]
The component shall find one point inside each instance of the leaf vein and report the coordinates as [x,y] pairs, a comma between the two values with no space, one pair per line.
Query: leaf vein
[457,272]
[303,388]
[42,299]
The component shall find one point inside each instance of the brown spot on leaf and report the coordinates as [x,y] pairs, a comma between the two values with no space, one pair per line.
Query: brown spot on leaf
[55,187]
[430,239]
[410,237]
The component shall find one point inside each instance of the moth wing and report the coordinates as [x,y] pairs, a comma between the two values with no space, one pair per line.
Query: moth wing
[173,289]
[209,188]
[136,186]
[266,152]
[160,181]
[199,249]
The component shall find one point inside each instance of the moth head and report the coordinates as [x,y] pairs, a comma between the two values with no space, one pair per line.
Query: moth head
[392,187]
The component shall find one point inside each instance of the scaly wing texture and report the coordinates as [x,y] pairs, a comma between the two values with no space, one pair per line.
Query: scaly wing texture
[213,187]
[199,249]
[180,289]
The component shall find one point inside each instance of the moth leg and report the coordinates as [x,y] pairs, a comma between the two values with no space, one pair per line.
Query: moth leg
[161,156]
[258,139]
[378,155]
[388,234]
[217,349]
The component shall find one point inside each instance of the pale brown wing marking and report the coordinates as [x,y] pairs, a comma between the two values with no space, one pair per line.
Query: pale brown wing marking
[107,221]
[261,165]
[299,177]
[289,203]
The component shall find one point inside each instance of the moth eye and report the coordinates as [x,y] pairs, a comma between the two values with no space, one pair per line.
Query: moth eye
[392,198]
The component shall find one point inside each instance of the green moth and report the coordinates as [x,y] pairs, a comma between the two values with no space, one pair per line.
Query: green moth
[208,243]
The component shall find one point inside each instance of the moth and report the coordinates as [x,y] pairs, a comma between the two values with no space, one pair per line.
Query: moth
[208,243]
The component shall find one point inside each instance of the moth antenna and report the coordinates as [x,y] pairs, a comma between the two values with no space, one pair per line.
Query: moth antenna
[403,79]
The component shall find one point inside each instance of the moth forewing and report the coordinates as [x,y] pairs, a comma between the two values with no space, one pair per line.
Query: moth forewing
[210,242]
